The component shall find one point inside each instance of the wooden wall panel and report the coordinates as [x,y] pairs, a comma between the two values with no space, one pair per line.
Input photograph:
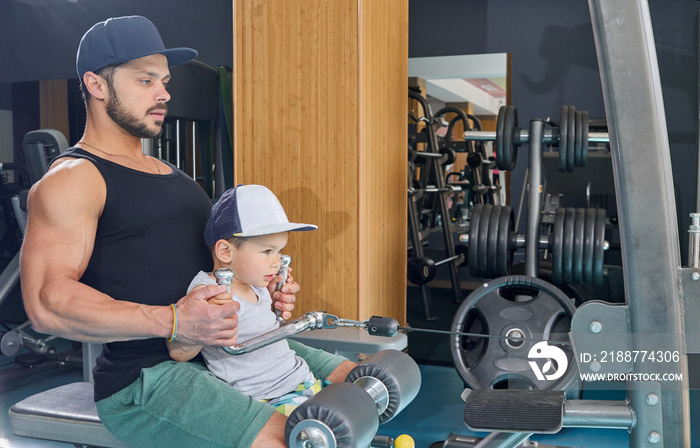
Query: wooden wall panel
[299,129]
[383,130]
[53,109]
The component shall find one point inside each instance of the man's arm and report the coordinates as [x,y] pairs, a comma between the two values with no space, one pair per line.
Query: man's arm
[64,208]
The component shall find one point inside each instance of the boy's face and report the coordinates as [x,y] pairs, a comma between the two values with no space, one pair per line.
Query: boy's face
[257,261]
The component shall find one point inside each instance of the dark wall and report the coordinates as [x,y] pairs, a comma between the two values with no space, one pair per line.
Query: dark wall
[5,97]
[38,43]
[554,63]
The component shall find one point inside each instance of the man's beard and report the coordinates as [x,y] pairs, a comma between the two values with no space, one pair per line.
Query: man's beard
[128,121]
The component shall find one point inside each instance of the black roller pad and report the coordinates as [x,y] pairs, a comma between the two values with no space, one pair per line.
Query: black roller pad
[535,411]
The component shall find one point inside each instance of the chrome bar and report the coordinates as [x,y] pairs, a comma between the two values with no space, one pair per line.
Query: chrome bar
[549,137]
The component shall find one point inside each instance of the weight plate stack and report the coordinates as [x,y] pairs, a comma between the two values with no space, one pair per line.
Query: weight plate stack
[573,138]
[491,241]
[577,242]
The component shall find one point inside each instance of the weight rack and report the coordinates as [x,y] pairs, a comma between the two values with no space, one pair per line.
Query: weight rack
[431,170]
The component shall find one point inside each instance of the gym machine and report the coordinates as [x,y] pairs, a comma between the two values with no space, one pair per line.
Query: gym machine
[340,415]
[661,295]
[40,147]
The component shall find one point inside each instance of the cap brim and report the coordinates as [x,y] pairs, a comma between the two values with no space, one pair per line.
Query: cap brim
[278,228]
[177,56]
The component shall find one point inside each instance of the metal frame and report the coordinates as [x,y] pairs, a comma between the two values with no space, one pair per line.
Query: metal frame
[642,167]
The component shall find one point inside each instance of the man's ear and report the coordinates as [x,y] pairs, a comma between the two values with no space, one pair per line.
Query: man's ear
[223,250]
[95,84]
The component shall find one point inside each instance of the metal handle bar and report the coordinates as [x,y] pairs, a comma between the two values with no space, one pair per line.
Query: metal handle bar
[314,320]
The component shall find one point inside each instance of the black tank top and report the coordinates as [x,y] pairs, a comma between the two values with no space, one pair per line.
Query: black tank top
[148,247]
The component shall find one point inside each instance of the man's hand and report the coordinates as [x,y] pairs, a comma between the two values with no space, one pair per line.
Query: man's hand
[284,300]
[202,323]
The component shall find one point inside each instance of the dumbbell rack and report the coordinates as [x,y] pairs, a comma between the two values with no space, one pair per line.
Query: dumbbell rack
[431,170]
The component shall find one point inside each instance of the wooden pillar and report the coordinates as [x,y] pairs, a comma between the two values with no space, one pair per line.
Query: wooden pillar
[320,118]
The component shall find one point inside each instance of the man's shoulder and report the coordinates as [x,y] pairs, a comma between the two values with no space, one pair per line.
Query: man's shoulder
[70,178]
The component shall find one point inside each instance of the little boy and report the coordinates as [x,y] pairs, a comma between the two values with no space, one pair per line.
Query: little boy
[246,233]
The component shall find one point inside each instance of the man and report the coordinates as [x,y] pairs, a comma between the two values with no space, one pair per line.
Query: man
[114,236]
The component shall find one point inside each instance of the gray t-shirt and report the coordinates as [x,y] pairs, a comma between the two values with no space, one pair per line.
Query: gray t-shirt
[268,372]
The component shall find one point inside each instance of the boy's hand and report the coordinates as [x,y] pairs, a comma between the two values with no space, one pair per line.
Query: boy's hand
[284,300]
[221,299]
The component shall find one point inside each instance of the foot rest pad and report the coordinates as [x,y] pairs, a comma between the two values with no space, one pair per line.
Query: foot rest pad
[536,411]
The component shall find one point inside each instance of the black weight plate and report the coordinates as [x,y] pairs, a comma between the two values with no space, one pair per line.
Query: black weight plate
[474,160]
[563,136]
[589,246]
[505,253]
[547,314]
[568,247]
[451,155]
[511,122]
[483,236]
[571,140]
[579,135]
[500,123]
[598,250]
[474,240]
[558,245]
[584,137]
[421,270]
[493,242]
[505,162]
[579,242]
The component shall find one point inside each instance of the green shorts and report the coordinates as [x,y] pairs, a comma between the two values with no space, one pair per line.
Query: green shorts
[182,404]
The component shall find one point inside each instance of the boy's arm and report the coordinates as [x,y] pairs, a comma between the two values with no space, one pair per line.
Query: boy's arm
[182,352]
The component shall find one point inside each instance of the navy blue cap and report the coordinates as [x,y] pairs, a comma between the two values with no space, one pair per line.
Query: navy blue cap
[248,210]
[122,39]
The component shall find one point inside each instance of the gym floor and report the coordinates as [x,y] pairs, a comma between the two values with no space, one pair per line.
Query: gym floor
[436,412]
[430,418]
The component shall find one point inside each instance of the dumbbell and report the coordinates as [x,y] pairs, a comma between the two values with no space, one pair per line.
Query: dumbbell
[572,137]
[445,156]
[421,270]
[348,414]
